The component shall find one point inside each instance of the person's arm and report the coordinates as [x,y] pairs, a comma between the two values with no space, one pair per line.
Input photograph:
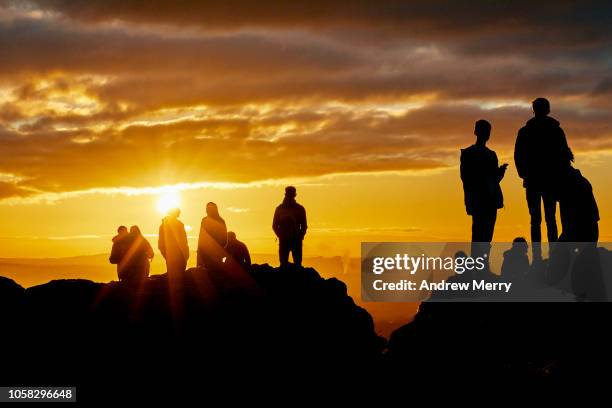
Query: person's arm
[161,241]
[566,152]
[247,256]
[150,253]
[275,222]
[500,170]
[114,257]
[184,242]
[201,235]
[520,155]
[465,171]
[304,223]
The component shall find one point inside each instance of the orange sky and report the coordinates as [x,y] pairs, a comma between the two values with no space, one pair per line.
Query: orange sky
[105,108]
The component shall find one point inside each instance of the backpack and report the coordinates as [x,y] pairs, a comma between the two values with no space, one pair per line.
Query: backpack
[287,227]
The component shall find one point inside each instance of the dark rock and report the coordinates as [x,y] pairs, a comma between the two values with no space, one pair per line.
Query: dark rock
[78,331]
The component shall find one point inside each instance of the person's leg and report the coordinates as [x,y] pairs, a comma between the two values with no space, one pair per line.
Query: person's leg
[297,252]
[550,210]
[477,235]
[489,226]
[283,252]
[534,198]
[488,229]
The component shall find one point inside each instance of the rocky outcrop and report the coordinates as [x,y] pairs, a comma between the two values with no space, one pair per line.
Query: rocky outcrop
[72,331]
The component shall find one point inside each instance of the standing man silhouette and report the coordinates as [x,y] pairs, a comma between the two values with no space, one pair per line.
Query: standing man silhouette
[173,244]
[290,226]
[481,176]
[541,154]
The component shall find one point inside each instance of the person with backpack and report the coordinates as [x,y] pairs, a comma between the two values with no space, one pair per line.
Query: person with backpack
[541,154]
[289,225]
[212,239]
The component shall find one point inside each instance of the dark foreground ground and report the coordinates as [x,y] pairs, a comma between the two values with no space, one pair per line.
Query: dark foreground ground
[271,326]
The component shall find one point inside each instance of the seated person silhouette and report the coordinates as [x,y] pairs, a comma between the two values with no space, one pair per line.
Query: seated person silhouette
[540,153]
[119,247]
[516,262]
[173,244]
[579,212]
[481,178]
[136,263]
[212,239]
[289,225]
[237,251]
[580,231]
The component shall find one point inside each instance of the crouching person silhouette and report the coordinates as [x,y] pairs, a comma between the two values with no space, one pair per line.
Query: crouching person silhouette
[579,212]
[289,225]
[173,244]
[578,241]
[237,251]
[135,265]
[481,176]
[119,248]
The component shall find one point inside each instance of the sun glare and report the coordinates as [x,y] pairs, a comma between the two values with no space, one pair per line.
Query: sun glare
[167,201]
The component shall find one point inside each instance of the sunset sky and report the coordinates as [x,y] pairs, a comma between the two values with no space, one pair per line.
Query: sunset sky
[106,106]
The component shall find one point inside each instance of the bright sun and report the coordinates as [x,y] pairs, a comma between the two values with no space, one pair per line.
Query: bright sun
[167,201]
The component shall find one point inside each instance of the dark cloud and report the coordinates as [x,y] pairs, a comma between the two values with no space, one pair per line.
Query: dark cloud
[42,46]
[141,93]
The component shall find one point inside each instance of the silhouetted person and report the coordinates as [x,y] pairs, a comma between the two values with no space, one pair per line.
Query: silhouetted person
[237,251]
[137,259]
[119,248]
[481,176]
[212,239]
[579,212]
[289,225]
[173,243]
[579,236]
[516,261]
[541,153]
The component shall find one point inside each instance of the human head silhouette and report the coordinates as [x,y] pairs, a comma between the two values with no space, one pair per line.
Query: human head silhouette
[482,130]
[212,210]
[541,107]
[174,212]
[231,236]
[290,192]
[520,244]
[460,255]
[134,230]
[122,230]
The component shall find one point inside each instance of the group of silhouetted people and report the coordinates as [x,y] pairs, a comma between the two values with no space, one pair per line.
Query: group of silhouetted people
[543,160]
[217,247]
[132,254]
